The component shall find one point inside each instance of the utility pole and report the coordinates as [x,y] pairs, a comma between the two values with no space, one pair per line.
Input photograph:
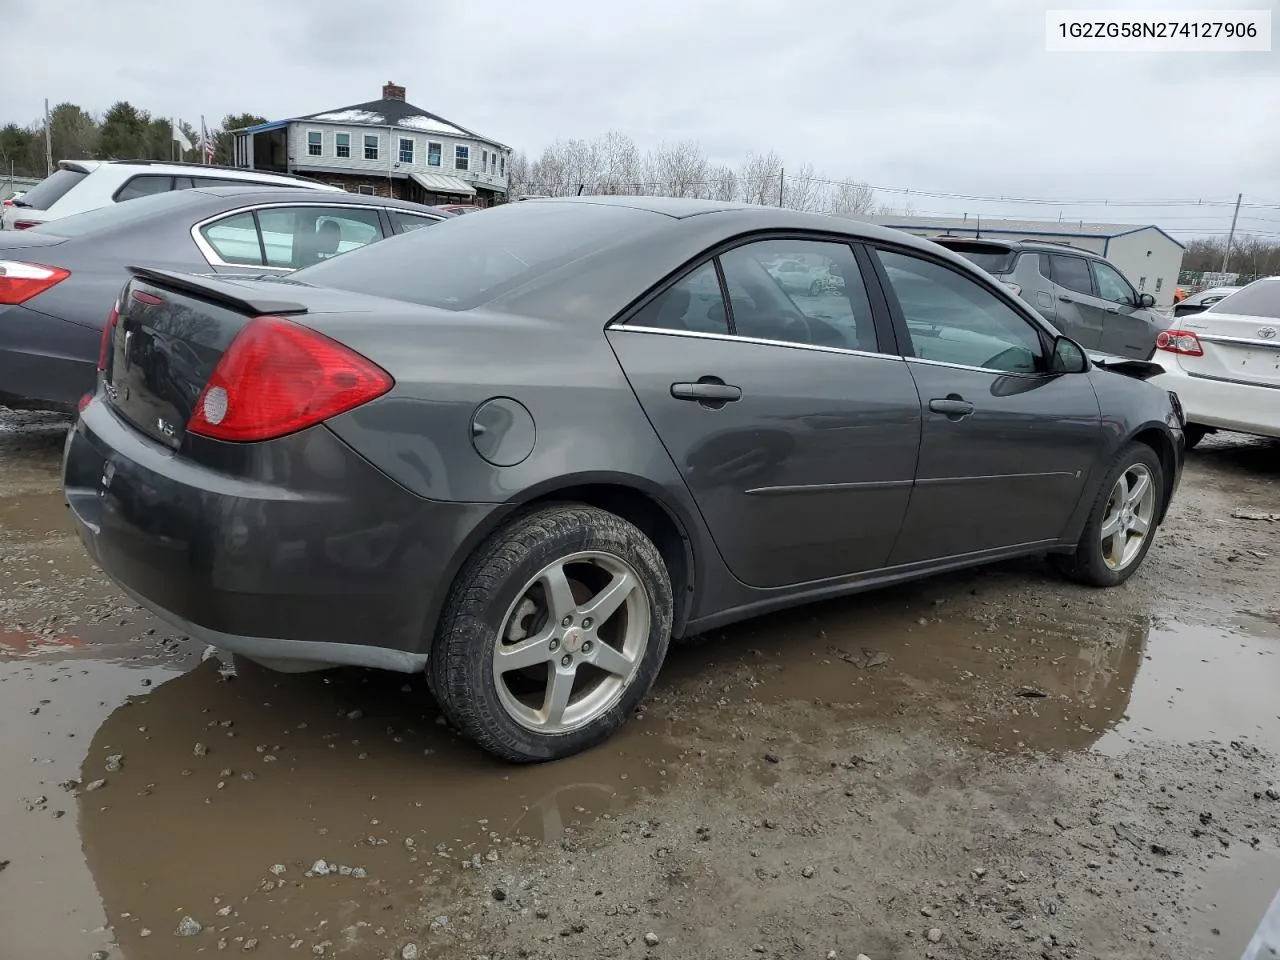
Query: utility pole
[48,142]
[1226,257]
[782,180]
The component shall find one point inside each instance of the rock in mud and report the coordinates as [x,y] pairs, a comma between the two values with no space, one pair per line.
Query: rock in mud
[188,927]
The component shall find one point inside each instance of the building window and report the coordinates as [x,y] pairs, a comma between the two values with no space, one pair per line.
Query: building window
[433,154]
[370,147]
[461,158]
[1159,283]
[406,150]
[504,166]
[365,188]
[1142,283]
[315,143]
[342,145]
[484,161]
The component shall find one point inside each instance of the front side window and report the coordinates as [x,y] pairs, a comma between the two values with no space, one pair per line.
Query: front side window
[406,150]
[693,303]
[370,147]
[296,237]
[315,143]
[342,145]
[461,157]
[1112,286]
[144,186]
[235,240]
[1072,273]
[433,154]
[952,319]
[799,291]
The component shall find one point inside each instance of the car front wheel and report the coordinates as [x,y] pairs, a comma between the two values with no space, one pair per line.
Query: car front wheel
[552,634]
[1122,523]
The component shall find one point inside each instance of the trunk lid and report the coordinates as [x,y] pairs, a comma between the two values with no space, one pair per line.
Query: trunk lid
[1237,348]
[171,331]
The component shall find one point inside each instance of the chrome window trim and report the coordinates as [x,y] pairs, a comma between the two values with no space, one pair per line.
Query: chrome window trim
[988,370]
[759,341]
[214,260]
[1233,381]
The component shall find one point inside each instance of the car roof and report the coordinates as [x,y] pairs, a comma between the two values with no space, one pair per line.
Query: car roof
[1048,246]
[281,194]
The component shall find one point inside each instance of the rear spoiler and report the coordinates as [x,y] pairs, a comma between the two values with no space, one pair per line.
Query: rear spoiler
[242,297]
[1126,366]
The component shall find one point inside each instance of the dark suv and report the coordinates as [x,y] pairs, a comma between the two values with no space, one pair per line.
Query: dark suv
[1080,293]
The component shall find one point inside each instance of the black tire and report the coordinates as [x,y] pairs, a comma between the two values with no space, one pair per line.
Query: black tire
[460,670]
[1086,564]
[1193,433]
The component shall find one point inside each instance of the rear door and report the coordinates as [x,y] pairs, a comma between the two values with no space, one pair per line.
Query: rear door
[792,419]
[1006,446]
[1079,311]
[1240,337]
[1126,331]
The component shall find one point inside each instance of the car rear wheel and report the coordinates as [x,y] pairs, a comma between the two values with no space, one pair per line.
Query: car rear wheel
[552,634]
[1122,523]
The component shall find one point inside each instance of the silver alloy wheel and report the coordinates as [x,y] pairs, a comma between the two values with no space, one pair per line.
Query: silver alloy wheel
[571,642]
[1127,521]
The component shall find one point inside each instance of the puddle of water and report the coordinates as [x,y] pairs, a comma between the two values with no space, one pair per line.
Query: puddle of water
[1235,897]
[1200,682]
[347,766]
[49,906]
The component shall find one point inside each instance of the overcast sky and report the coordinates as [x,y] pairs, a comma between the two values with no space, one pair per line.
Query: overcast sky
[952,96]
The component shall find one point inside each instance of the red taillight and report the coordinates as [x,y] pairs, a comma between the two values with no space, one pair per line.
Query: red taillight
[25,224]
[104,349]
[22,281]
[278,377]
[150,299]
[1180,341]
[85,401]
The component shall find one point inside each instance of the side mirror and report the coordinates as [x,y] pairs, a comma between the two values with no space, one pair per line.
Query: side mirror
[1068,357]
[1146,300]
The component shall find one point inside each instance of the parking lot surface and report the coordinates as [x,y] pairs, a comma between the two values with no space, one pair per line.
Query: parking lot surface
[992,764]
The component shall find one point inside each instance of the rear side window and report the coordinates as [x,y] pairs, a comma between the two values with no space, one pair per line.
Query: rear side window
[693,303]
[1072,273]
[235,240]
[467,261]
[405,222]
[143,186]
[301,236]
[51,189]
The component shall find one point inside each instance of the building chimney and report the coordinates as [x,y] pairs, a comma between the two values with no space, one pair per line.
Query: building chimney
[391,92]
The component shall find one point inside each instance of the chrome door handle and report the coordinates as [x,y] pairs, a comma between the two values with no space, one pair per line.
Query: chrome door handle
[955,407]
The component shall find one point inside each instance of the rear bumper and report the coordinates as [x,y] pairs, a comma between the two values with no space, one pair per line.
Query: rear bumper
[1226,406]
[341,566]
[45,363]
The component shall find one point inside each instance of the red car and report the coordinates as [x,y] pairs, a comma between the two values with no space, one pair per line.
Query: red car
[458,207]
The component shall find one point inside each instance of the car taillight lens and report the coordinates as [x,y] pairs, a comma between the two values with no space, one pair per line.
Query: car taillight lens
[279,377]
[1180,341]
[25,224]
[109,331]
[20,282]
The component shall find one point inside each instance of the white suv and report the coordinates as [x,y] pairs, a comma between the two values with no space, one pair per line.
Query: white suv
[80,185]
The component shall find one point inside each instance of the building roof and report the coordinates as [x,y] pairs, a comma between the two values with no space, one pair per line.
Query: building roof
[1042,228]
[391,110]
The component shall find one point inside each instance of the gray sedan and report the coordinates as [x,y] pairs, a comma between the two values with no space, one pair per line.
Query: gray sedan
[592,425]
[59,279]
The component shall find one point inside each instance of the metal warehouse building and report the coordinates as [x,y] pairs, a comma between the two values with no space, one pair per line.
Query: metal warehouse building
[1148,256]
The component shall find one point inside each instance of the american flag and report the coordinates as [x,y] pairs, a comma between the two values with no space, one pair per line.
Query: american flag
[206,143]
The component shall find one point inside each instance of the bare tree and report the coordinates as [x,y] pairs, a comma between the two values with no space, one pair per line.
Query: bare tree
[518,174]
[760,175]
[722,183]
[681,168]
[619,161]
[851,199]
[804,191]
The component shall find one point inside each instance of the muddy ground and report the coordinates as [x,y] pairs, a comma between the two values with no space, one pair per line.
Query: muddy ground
[988,765]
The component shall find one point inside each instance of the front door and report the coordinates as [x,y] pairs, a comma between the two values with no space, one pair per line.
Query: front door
[797,438]
[1005,445]
[1126,331]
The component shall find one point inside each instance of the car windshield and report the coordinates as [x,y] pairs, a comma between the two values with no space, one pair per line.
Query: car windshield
[119,214]
[466,261]
[990,258]
[1259,299]
[51,189]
